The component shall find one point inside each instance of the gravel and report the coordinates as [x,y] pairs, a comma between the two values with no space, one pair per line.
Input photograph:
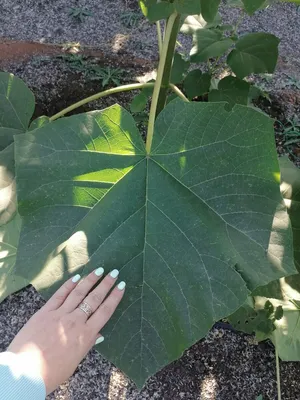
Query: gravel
[223,366]
[49,21]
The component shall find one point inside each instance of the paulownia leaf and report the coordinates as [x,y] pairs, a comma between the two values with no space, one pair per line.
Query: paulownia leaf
[16,107]
[254,53]
[192,227]
[232,90]
[209,44]
[9,237]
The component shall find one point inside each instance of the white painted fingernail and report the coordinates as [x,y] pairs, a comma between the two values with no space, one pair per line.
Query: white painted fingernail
[114,273]
[76,278]
[121,285]
[99,271]
[99,340]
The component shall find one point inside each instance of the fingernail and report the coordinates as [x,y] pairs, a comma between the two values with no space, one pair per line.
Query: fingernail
[114,273]
[99,340]
[121,285]
[99,271]
[76,278]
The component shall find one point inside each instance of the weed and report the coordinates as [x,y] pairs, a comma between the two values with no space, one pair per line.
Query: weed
[92,71]
[291,131]
[106,75]
[131,19]
[79,14]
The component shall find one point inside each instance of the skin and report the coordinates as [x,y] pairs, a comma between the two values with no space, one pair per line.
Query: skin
[59,335]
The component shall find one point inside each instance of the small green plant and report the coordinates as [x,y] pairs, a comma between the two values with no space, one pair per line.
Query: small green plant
[79,14]
[192,216]
[131,19]
[291,131]
[106,75]
[76,62]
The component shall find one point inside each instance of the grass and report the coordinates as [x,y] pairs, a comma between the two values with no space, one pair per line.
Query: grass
[107,76]
[79,14]
[131,19]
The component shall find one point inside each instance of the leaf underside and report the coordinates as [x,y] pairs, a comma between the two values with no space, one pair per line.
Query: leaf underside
[16,109]
[192,227]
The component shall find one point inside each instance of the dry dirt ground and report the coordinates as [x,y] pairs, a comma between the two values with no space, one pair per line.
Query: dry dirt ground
[225,365]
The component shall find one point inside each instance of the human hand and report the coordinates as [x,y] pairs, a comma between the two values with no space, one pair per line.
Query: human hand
[59,335]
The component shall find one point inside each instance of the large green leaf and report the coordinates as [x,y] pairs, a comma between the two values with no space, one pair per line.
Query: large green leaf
[16,107]
[232,90]
[254,53]
[209,44]
[284,292]
[9,237]
[192,227]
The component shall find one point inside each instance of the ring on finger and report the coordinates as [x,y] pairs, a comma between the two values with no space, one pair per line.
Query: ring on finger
[86,308]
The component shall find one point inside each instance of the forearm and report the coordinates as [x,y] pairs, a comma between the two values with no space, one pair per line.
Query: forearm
[18,381]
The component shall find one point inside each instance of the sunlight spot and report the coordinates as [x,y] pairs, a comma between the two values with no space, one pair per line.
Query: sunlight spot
[148,76]
[208,388]
[277,176]
[119,42]
[276,248]
[286,189]
[117,385]
[65,260]
[288,203]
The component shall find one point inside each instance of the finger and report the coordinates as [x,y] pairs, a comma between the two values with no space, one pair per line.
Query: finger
[107,308]
[96,297]
[62,293]
[81,291]
[99,339]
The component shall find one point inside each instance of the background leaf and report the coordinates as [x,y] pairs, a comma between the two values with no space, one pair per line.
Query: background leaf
[209,9]
[192,228]
[16,109]
[253,5]
[179,68]
[188,7]
[209,44]
[8,199]
[254,53]
[196,83]
[232,90]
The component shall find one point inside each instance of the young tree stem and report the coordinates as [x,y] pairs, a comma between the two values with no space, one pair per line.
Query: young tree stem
[278,374]
[158,83]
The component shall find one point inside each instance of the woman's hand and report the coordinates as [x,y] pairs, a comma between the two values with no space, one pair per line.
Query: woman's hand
[59,335]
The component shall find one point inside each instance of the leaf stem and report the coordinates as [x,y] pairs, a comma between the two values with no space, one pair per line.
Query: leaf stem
[159,36]
[179,93]
[278,373]
[123,88]
[168,66]
[158,82]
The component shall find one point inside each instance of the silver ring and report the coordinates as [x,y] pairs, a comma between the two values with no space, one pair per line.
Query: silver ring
[86,308]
